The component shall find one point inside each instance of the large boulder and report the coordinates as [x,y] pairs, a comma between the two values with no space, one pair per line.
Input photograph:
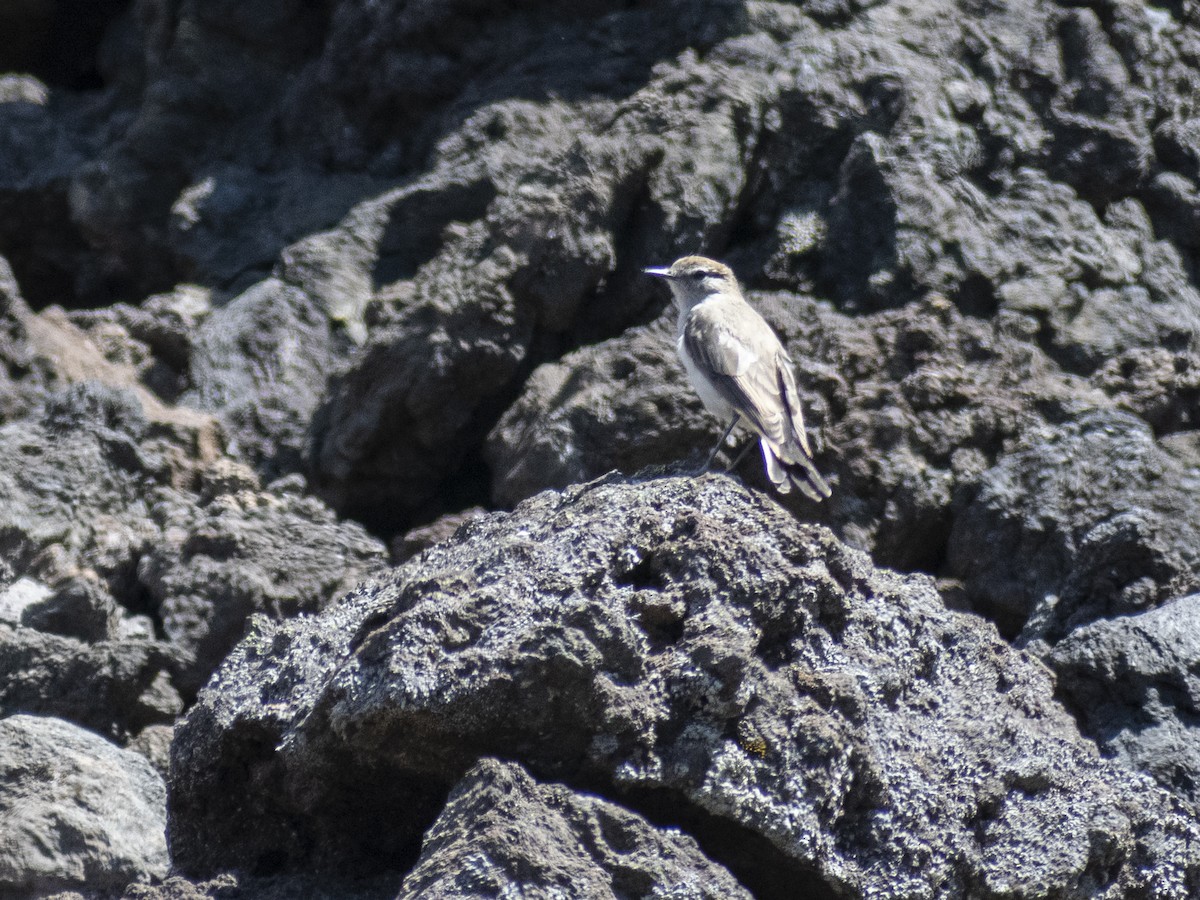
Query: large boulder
[687,649]
[76,812]
[1082,520]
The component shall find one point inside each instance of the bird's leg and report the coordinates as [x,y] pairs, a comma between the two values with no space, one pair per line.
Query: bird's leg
[728,431]
[737,462]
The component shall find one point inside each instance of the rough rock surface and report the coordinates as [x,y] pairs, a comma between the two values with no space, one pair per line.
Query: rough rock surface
[115,687]
[75,811]
[96,499]
[380,260]
[682,644]
[1134,680]
[1090,518]
[502,832]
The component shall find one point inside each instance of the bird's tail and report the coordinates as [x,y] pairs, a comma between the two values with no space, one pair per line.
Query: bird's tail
[799,471]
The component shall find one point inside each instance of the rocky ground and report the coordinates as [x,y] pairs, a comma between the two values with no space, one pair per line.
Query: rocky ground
[349,541]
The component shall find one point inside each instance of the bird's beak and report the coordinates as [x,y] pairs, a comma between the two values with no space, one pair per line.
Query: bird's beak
[661,273]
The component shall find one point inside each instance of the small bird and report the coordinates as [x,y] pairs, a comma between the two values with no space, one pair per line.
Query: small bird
[740,370]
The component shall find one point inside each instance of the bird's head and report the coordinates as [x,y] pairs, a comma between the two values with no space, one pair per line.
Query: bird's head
[693,279]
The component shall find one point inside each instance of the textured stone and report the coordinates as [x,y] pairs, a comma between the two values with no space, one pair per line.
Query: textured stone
[502,833]
[75,811]
[821,725]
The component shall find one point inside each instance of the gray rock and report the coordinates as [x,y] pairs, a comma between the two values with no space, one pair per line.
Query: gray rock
[622,404]
[1132,680]
[675,644]
[26,377]
[260,363]
[503,833]
[21,596]
[154,743]
[78,812]
[113,687]
[237,550]
[1083,520]
[95,494]
[1158,385]
[79,607]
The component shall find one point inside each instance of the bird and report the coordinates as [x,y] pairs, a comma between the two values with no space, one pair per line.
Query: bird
[740,370]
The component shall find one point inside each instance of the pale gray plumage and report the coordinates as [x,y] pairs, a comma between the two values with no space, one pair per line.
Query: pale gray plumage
[740,369]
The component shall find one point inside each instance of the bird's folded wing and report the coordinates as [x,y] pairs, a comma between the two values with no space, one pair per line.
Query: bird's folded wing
[752,383]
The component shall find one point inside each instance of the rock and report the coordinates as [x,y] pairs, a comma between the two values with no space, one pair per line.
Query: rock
[155,337]
[260,363]
[78,812]
[906,408]
[113,687]
[1132,681]
[103,505]
[1157,385]
[241,550]
[423,537]
[502,832]
[42,144]
[1087,519]
[80,607]
[623,404]
[176,888]
[154,743]
[23,595]
[821,726]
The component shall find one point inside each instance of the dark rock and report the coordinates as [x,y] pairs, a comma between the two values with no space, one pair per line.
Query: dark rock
[242,550]
[78,812]
[821,726]
[95,490]
[624,404]
[236,886]
[1132,680]
[1160,386]
[45,137]
[423,537]
[114,687]
[25,376]
[502,832]
[260,362]
[80,607]
[1083,520]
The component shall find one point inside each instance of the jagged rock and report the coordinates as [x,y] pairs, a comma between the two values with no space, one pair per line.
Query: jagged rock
[1133,682]
[241,550]
[503,833]
[1085,519]
[1159,386]
[94,494]
[80,607]
[260,363]
[77,812]
[423,537]
[623,404]
[115,687]
[829,728]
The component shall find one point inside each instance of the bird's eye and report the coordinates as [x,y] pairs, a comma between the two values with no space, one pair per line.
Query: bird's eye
[699,276]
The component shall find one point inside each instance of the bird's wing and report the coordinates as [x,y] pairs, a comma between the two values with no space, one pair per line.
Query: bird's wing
[750,369]
[791,398]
